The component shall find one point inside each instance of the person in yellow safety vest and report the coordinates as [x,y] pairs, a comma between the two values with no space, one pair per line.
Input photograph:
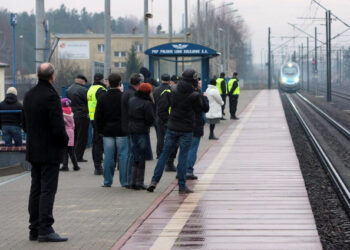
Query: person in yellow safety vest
[233,92]
[222,87]
[97,89]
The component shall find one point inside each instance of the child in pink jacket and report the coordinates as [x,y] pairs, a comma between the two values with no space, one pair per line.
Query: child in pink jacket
[69,123]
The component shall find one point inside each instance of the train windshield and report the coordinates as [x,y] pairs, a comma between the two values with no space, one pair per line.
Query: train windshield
[290,70]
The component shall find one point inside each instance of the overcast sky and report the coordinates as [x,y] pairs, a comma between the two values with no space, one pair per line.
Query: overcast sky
[258,15]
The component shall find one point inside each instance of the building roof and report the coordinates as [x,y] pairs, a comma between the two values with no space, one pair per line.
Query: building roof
[95,35]
[3,65]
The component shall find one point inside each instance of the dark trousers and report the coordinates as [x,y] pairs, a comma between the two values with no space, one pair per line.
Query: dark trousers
[233,104]
[97,148]
[42,197]
[81,133]
[223,97]
[69,151]
[161,129]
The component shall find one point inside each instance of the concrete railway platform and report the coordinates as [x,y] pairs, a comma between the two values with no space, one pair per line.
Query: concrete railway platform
[250,193]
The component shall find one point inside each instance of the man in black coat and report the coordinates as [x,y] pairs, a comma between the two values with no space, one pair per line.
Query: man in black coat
[46,140]
[185,103]
[77,93]
[11,122]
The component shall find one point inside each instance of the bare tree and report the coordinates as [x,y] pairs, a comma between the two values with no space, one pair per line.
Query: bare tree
[66,71]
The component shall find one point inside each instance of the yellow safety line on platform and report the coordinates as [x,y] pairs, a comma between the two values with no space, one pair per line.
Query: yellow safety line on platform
[171,231]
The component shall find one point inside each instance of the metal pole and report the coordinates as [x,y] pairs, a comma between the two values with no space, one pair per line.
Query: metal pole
[308,65]
[198,21]
[302,65]
[186,21]
[329,63]
[107,26]
[145,37]
[14,54]
[39,31]
[228,50]
[170,21]
[316,63]
[206,24]
[269,59]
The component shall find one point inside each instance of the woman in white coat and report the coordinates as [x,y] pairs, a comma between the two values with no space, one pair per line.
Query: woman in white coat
[215,102]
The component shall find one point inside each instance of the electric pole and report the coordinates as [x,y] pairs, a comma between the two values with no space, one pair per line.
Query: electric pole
[145,37]
[39,32]
[308,65]
[302,65]
[107,48]
[198,21]
[170,21]
[329,55]
[316,63]
[186,21]
[269,59]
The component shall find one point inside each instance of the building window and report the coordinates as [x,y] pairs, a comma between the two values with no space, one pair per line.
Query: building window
[100,48]
[123,64]
[116,65]
[116,53]
[123,53]
[139,48]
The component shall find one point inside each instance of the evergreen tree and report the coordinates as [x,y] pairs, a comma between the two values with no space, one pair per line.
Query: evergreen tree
[133,63]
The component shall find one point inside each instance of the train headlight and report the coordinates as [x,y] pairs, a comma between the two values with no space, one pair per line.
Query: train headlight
[296,79]
[284,79]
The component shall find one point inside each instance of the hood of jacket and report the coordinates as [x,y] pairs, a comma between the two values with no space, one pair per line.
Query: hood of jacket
[10,99]
[185,87]
[143,95]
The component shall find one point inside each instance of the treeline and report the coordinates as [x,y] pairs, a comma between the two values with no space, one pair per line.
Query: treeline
[62,20]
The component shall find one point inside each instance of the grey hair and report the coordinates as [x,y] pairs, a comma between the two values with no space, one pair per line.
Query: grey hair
[45,73]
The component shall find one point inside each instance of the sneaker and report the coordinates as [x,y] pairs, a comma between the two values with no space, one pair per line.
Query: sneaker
[191,177]
[185,190]
[98,171]
[151,187]
[76,168]
[64,169]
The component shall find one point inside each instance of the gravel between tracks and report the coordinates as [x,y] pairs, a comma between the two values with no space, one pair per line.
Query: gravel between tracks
[333,224]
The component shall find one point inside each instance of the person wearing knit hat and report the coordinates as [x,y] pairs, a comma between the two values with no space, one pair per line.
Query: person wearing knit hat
[69,124]
[141,118]
[11,122]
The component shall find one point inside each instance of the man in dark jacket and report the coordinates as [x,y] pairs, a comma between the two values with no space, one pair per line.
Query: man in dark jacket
[46,141]
[198,132]
[161,96]
[97,89]
[135,82]
[11,121]
[108,120]
[77,93]
[185,103]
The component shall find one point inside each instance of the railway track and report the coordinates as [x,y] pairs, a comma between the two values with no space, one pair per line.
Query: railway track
[337,93]
[335,176]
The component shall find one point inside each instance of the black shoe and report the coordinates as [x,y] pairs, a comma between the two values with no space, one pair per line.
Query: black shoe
[33,236]
[151,187]
[64,169]
[52,237]
[186,190]
[213,137]
[223,118]
[141,187]
[127,186]
[170,167]
[82,160]
[191,177]
[76,168]
[105,186]
[234,118]
[98,171]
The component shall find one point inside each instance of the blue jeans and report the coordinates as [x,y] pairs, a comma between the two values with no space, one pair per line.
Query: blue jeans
[192,155]
[121,145]
[10,132]
[171,137]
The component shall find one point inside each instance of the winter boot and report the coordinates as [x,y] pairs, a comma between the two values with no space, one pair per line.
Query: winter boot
[170,167]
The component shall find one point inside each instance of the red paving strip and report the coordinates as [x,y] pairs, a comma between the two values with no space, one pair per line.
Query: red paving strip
[128,234]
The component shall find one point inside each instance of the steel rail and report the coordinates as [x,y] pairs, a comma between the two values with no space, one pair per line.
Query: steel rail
[335,124]
[341,188]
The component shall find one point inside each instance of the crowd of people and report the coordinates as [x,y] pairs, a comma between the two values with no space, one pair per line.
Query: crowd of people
[57,129]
